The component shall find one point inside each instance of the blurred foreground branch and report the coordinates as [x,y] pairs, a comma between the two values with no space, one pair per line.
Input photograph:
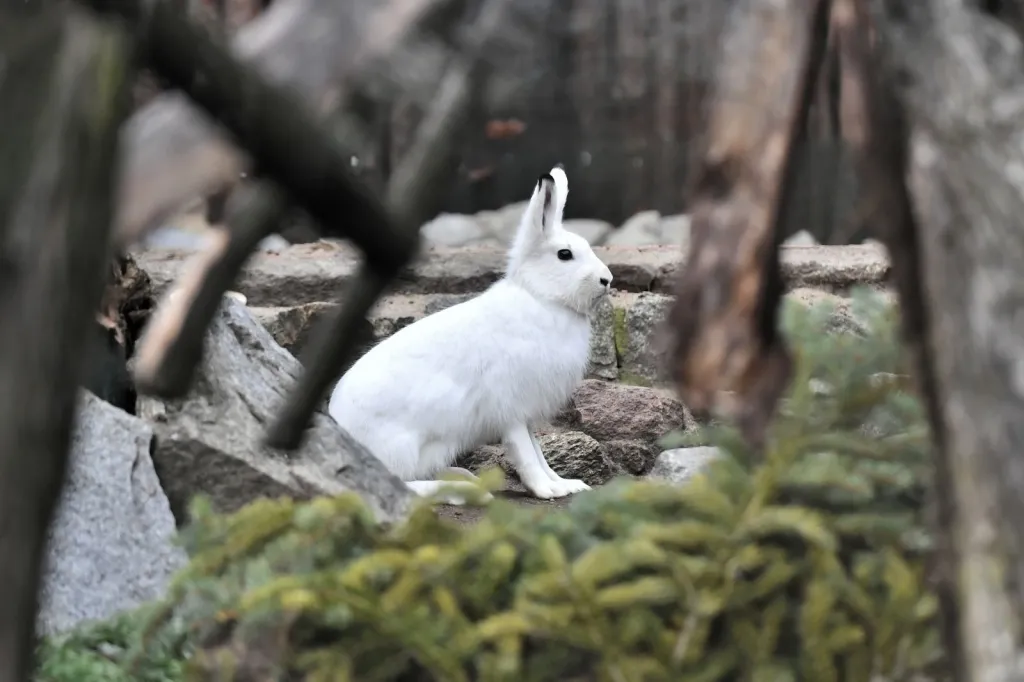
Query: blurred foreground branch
[727,356]
[64,93]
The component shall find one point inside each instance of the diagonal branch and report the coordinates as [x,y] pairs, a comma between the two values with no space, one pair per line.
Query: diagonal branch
[727,356]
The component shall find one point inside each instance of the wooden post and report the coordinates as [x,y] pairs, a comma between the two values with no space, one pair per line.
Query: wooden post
[957,255]
[65,90]
[728,358]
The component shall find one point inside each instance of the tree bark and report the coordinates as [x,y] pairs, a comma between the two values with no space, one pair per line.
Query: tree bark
[728,358]
[65,90]
[961,83]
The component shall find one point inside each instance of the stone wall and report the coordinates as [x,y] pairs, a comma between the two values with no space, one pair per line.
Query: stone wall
[290,290]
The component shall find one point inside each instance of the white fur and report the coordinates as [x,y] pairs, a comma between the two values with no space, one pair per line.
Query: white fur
[488,368]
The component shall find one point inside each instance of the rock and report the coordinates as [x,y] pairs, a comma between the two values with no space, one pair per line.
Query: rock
[111,544]
[801,238]
[649,228]
[633,456]
[274,243]
[320,271]
[452,229]
[841,320]
[676,230]
[501,224]
[438,303]
[642,229]
[570,454]
[603,359]
[290,326]
[211,442]
[641,348]
[618,412]
[577,455]
[680,465]
[594,231]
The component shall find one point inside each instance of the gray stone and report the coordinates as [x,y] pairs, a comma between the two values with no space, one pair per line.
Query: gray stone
[111,545]
[452,229]
[675,230]
[594,231]
[290,326]
[570,454]
[633,456]
[501,224]
[211,442]
[438,303]
[577,455]
[642,346]
[642,229]
[603,359]
[680,465]
[801,238]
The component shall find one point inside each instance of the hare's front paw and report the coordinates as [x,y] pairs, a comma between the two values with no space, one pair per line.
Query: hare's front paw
[560,487]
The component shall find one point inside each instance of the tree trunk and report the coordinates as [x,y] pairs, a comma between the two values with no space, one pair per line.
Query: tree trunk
[961,83]
[66,88]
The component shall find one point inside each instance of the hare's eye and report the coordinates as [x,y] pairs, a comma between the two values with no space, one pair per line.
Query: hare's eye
[564,254]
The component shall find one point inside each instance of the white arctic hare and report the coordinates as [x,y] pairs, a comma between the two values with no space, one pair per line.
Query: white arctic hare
[487,368]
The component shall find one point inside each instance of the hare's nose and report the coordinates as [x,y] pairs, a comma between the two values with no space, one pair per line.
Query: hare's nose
[605,281]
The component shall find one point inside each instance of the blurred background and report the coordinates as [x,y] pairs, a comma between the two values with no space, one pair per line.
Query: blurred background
[613,89]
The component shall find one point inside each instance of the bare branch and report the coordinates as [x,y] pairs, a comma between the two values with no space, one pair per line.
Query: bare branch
[173,344]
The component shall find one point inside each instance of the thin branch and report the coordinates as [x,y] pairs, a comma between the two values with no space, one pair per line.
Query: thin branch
[173,344]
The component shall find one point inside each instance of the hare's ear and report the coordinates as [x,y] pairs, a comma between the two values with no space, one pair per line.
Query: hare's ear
[544,211]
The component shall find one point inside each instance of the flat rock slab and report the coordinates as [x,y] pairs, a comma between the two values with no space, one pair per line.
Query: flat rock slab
[111,544]
[320,271]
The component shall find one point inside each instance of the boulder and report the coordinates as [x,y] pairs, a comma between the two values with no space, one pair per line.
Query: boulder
[681,464]
[570,454]
[642,229]
[626,420]
[211,442]
[111,544]
[609,411]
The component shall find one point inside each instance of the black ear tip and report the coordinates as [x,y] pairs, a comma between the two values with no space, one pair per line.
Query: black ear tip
[560,165]
[545,176]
